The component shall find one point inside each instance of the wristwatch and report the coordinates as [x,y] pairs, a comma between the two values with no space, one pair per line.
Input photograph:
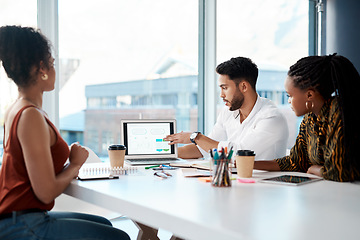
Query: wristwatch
[193,136]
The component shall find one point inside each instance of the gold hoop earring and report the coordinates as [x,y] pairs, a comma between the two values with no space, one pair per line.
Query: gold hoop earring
[44,77]
[309,105]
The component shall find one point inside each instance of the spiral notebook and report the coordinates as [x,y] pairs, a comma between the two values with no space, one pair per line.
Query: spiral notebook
[93,171]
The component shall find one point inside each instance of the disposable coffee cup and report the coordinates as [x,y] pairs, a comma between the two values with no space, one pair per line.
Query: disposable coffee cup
[245,163]
[116,155]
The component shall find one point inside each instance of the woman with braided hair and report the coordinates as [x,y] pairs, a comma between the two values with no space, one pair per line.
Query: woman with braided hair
[324,90]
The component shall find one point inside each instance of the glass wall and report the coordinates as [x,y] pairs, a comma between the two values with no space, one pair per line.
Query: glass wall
[274,34]
[139,59]
[20,12]
[126,60]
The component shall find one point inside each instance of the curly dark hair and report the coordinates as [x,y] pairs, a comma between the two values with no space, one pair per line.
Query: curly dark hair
[238,69]
[334,75]
[22,49]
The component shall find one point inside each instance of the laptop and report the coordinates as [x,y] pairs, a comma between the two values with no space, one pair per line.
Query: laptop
[144,141]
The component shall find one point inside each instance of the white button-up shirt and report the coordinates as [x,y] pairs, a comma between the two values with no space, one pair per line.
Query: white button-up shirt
[264,131]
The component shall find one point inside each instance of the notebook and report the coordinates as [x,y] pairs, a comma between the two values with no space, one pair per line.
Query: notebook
[92,171]
[144,141]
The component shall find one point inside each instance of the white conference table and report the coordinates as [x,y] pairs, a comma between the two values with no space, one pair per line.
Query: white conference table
[192,209]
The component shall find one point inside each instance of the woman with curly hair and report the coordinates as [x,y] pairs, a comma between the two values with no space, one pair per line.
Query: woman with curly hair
[33,174]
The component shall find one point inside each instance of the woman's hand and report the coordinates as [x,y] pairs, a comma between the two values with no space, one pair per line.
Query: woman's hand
[181,137]
[78,154]
[316,170]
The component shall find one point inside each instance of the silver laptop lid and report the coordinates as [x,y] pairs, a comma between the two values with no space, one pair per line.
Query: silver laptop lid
[144,138]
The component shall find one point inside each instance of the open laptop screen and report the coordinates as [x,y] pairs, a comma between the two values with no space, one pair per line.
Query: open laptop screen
[146,138]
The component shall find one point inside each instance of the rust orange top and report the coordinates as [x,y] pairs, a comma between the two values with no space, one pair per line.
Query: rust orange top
[16,192]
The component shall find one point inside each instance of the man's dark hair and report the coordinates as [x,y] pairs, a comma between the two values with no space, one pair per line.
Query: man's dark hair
[238,69]
[21,49]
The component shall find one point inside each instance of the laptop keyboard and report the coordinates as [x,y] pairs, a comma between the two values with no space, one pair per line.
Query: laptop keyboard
[151,159]
[144,161]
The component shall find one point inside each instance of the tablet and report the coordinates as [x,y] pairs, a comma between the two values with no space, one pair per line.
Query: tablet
[290,180]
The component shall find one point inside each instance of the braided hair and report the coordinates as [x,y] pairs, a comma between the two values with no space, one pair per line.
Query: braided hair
[22,49]
[334,75]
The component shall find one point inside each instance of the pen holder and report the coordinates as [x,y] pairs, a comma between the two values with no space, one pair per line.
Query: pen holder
[221,174]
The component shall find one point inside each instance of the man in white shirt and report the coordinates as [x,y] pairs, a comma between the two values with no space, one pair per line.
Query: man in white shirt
[247,122]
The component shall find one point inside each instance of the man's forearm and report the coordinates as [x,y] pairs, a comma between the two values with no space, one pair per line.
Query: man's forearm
[206,143]
[189,151]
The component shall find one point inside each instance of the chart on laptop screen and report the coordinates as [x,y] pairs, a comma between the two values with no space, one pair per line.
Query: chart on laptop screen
[147,138]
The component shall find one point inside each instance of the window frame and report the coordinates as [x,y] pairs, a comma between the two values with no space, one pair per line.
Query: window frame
[47,21]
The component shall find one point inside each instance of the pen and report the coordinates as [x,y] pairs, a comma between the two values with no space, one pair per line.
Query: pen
[216,155]
[165,166]
[222,156]
[230,153]
[152,166]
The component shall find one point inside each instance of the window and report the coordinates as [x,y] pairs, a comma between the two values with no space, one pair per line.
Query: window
[274,34]
[24,13]
[125,59]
